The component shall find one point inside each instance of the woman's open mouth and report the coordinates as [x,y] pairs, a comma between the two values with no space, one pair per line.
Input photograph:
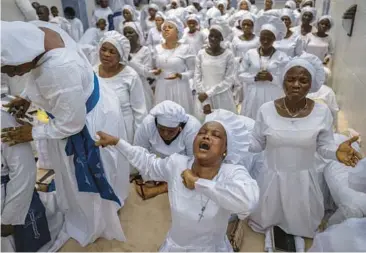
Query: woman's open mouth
[204,146]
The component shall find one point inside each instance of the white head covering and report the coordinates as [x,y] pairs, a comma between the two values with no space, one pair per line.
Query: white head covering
[213,13]
[270,23]
[177,23]
[136,26]
[248,3]
[222,25]
[306,1]
[118,41]
[190,9]
[312,64]
[327,17]
[291,4]
[311,10]
[21,42]
[131,10]
[160,14]
[241,15]
[237,133]
[209,4]
[153,6]
[194,17]
[169,114]
[288,13]
[224,3]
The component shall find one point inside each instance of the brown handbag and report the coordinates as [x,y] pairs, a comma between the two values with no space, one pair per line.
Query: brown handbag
[235,233]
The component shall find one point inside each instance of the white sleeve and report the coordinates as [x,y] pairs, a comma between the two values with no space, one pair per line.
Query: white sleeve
[198,86]
[143,68]
[19,190]
[149,165]
[257,137]
[189,60]
[27,10]
[142,134]
[62,88]
[137,101]
[229,77]
[326,146]
[299,47]
[282,60]
[238,193]
[245,76]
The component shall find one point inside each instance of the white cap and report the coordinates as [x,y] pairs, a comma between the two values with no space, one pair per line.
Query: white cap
[169,114]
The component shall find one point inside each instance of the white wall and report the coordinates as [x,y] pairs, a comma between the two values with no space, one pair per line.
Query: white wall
[349,68]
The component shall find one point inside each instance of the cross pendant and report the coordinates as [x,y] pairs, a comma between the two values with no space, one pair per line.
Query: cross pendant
[201,216]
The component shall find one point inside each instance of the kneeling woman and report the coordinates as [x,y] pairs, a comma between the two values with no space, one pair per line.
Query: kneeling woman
[202,197]
[124,80]
[291,130]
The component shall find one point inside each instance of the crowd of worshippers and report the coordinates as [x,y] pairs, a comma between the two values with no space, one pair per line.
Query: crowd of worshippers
[227,109]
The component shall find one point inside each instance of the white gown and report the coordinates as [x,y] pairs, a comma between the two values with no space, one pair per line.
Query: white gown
[99,13]
[141,62]
[154,38]
[62,84]
[148,137]
[292,46]
[92,36]
[172,61]
[327,95]
[195,40]
[231,191]
[320,47]
[258,93]
[346,237]
[77,29]
[127,86]
[215,76]
[291,197]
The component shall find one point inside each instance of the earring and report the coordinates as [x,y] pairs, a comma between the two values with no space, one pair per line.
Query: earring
[224,154]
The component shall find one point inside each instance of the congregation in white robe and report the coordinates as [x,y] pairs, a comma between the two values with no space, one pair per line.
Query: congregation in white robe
[225,109]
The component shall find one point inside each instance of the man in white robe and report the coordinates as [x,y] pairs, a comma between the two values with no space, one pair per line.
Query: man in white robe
[77,28]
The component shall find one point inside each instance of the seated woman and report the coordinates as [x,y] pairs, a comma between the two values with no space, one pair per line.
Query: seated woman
[292,44]
[291,130]
[168,129]
[204,190]
[260,67]
[139,58]
[215,71]
[124,80]
[30,221]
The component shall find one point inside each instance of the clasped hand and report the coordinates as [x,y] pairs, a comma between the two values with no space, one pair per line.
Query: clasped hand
[264,75]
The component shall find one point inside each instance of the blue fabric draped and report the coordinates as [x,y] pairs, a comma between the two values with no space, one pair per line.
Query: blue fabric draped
[89,171]
[111,17]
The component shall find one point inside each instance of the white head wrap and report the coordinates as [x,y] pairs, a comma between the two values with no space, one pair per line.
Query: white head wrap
[131,10]
[312,64]
[288,13]
[241,15]
[213,13]
[169,114]
[194,17]
[273,3]
[270,23]
[311,10]
[237,133]
[120,42]
[222,25]
[136,26]
[177,23]
[209,4]
[223,2]
[327,17]
[248,3]
[307,1]
[291,4]
[160,14]
[21,42]
[154,6]
[190,9]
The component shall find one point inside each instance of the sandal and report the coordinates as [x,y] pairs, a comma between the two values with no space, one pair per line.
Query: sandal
[148,191]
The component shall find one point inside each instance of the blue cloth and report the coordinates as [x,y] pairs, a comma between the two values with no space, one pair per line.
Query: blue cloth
[111,17]
[35,233]
[52,186]
[89,171]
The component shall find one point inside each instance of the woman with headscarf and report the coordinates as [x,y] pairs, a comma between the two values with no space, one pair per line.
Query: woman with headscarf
[155,36]
[140,58]
[268,6]
[193,35]
[221,5]
[320,43]
[176,10]
[243,7]
[309,3]
[291,5]
[101,12]
[292,44]
[204,190]
[211,13]
[166,130]
[260,68]
[240,46]
[114,51]
[129,15]
[148,22]
[215,71]
[308,16]
[174,67]
[78,103]
[295,129]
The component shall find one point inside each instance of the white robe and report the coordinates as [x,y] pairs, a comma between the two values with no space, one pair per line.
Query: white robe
[178,60]
[327,95]
[99,13]
[320,47]
[292,46]
[346,237]
[92,36]
[194,40]
[148,137]
[154,38]
[291,197]
[231,191]
[63,23]
[215,75]
[258,93]
[77,29]
[127,86]
[62,84]
[142,63]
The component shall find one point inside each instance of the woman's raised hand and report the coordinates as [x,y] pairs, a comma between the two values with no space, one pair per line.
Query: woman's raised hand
[346,154]
[106,140]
